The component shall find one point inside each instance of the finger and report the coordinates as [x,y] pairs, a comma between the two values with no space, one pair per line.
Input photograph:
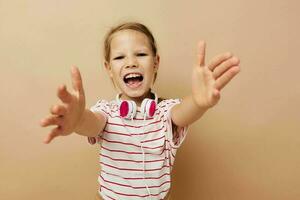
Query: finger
[52,120]
[63,94]
[58,110]
[53,134]
[226,77]
[201,53]
[219,70]
[217,60]
[77,81]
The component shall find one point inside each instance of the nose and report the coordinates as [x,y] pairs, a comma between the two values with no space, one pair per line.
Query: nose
[131,62]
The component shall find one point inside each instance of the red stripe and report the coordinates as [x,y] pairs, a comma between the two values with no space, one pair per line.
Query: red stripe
[135,161]
[126,125]
[130,134]
[150,118]
[130,144]
[135,178]
[133,195]
[132,152]
[145,141]
[134,187]
[107,195]
[128,152]
[131,169]
[110,197]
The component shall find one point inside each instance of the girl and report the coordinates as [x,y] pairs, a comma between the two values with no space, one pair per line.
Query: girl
[139,133]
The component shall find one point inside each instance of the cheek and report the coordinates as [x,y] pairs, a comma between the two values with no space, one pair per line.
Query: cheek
[149,64]
[151,68]
[115,71]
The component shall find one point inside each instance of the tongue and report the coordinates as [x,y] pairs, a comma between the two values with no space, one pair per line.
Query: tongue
[133,82]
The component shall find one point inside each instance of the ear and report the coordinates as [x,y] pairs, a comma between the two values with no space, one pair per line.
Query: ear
[156,62]
[108,68]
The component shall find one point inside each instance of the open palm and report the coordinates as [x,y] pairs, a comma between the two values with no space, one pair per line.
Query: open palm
[67,115]
[208,80]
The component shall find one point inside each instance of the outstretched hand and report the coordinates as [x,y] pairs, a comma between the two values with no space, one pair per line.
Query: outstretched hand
[67,115]
[208,80]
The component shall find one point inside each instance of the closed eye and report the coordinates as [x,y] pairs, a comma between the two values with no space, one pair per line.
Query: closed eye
[119,57]
[141,54]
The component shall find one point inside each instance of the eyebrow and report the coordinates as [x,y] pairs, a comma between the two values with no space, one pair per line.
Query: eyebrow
[137,50]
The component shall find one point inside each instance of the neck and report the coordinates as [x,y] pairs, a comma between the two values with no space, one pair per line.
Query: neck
[138,100]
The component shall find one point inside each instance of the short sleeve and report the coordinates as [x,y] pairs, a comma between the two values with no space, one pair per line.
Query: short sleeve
[175,134]
[102,107]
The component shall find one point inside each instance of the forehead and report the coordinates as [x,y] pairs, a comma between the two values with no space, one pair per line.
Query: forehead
[129,39]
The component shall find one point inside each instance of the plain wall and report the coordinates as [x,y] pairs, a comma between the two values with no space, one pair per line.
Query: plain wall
[247,147]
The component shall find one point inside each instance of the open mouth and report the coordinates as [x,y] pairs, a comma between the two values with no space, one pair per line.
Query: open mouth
[133,80]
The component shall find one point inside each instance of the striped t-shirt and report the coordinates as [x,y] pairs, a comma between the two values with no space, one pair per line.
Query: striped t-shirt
[136,156]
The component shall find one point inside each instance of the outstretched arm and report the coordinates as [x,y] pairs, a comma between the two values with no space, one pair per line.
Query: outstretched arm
[207,82]
[71,115]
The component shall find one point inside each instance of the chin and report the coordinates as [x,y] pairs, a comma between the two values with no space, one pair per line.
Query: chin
[135,93]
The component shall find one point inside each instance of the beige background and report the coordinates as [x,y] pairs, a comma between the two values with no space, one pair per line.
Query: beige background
[245,148]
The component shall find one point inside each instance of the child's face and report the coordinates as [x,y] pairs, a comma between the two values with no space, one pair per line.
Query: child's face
[132,65]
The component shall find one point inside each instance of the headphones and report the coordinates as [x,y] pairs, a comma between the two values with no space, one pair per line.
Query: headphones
[127,108]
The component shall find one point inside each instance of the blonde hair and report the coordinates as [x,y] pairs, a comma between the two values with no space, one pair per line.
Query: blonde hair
[129,26]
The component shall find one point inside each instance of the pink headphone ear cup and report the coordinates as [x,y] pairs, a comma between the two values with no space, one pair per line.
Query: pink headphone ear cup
[127,109]
[124,109]
[152,108]
[148,106]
